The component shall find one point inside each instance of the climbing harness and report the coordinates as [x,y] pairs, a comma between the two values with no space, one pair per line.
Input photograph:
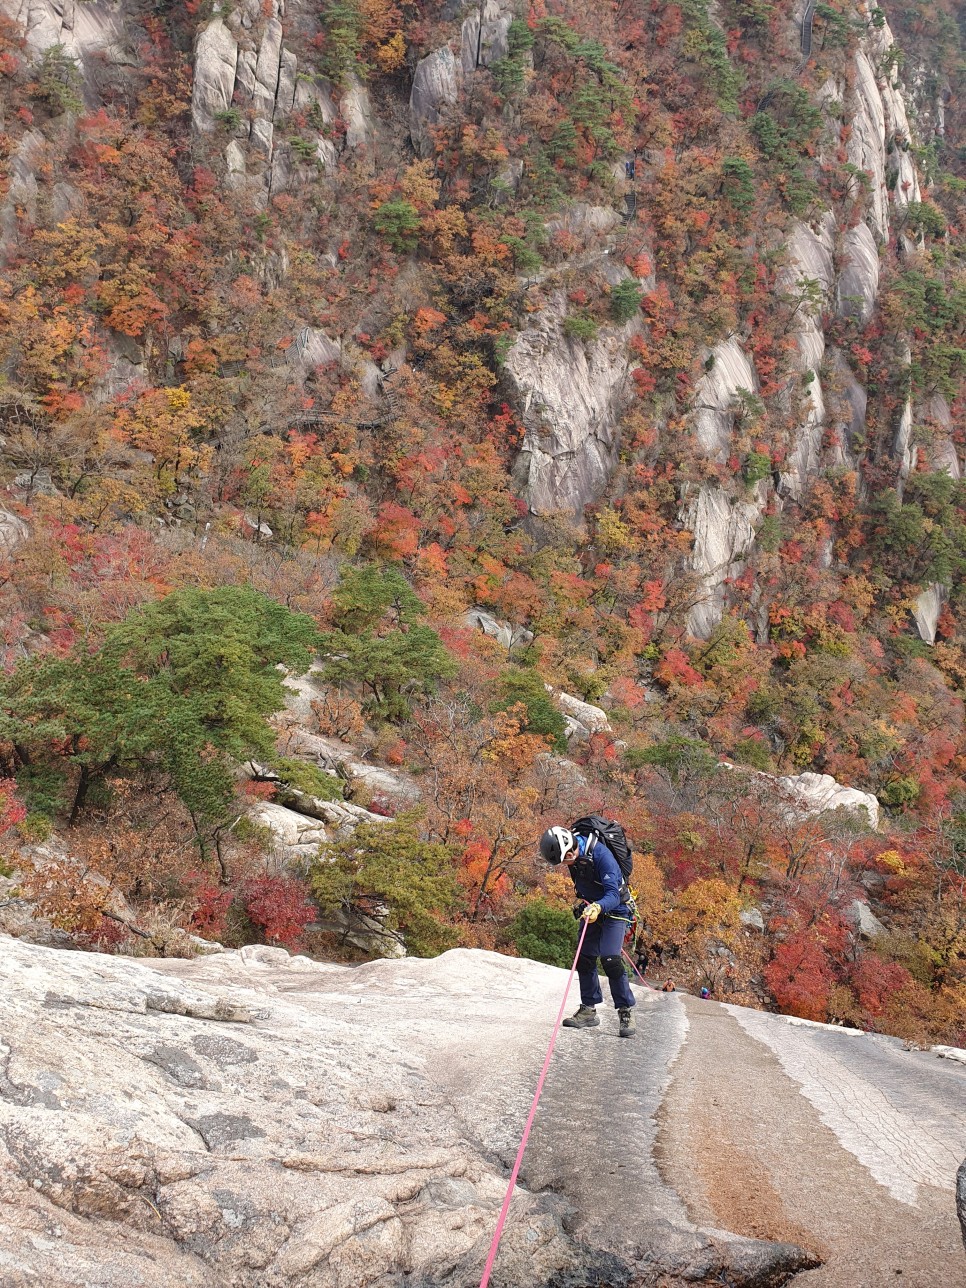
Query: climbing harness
[491,1257]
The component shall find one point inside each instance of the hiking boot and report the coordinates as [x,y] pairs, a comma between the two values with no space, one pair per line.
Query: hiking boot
[628,1024]
[585,1017]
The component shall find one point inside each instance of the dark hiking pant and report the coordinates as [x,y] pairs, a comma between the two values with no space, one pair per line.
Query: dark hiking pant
[604,939]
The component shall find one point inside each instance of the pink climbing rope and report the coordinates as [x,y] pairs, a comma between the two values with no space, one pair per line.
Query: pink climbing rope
[638,973]
[533,1109]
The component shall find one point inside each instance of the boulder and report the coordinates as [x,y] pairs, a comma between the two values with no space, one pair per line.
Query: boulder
[752,918]
[585,221]
[13,530]
[313,348]
[296,837]
[592,719]
[867,924]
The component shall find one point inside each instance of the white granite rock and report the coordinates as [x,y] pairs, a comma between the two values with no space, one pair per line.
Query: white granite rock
[296,836]
[436,86]
[506,635]
[569,394]
[13,530]
[858,284]
[216,54]
[867,924]
[926,609]
[593,719]
[483,37]
[817,793]
[714,396]
[724,530]
[253,1118]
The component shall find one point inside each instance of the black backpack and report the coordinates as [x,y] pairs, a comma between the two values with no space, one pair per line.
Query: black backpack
[612,834]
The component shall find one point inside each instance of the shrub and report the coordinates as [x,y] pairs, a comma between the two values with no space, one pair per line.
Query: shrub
[580,327]
[625,300]
[526,687]
[397,221]
[544,933]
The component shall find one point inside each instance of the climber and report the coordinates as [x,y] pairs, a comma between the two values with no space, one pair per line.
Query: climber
[603,902]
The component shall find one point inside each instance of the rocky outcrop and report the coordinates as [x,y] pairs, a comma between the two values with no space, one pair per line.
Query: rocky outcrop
[436,86]
[867,924]
[582,718]
[817,793]
[729,370]
[858,283]
[807,282]
[13,530]
[943,450]
[216,58]
[159,1132]
[506,636]
[248,82]
[723,530]
[484,34]
[570,393]
[926,610]
[21,194]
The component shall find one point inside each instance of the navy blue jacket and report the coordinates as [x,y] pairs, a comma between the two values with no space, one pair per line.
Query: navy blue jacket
[598,879]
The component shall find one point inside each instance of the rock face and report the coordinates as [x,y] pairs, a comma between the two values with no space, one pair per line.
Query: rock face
[858,282]
[570,393]
[436,86]
[484,35]
[724,530]
[248,82]
[255,1119]
[926,610]
[807,282]
[506,635]
[961,1198]
[168,1133]
[216,57]
[714,396]
[817,793]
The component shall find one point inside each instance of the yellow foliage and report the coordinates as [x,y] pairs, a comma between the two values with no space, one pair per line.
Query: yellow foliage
[391,56]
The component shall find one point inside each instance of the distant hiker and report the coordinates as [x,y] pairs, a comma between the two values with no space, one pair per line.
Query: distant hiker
[705,991]
[668,986]
[641,960]
[605,902]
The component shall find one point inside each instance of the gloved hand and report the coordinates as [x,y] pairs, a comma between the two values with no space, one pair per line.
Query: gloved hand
[591,912]
[578,909]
